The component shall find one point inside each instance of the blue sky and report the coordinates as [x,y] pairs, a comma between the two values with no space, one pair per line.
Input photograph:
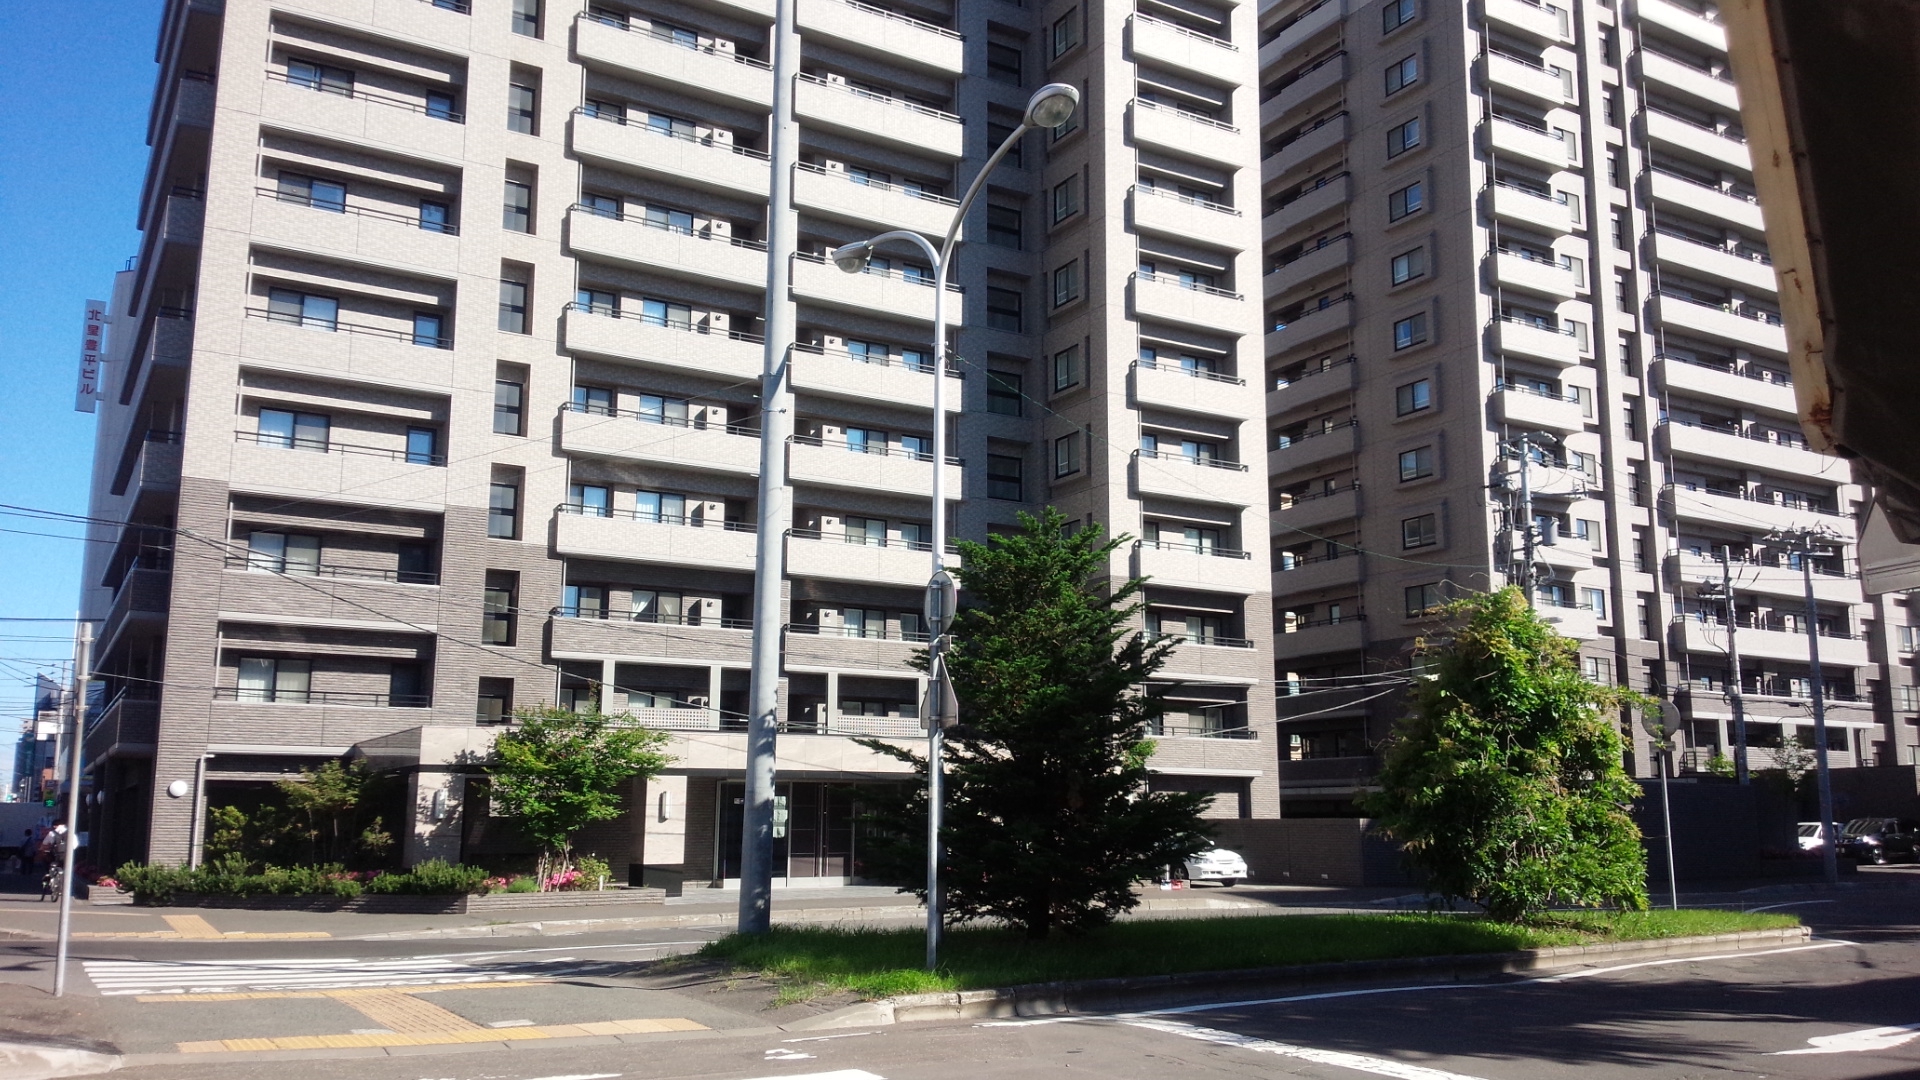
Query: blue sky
[78,75]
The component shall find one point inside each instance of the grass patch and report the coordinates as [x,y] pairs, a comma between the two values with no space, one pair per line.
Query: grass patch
[882,963]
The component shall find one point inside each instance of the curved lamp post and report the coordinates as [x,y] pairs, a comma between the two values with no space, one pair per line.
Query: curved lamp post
[1050,106]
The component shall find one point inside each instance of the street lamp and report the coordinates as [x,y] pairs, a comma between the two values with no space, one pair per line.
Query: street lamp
[1049,107]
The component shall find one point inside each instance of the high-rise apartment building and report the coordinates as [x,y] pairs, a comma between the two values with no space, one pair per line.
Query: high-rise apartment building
[1515,270]
[433,391]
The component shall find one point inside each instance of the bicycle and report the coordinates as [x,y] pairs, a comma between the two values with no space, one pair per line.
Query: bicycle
[53,882]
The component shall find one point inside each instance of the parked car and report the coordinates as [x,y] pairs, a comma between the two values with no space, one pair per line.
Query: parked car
[1810,839]
[1880,840]
[1217,864]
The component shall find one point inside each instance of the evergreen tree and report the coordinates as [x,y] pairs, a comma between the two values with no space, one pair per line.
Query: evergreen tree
[1505,784]
[1049,821]
[557,771]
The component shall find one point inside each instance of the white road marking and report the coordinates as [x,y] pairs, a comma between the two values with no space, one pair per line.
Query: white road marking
[781,1053]
[122,977]
[1399,1070]
[838,1074]
[1854,1042]
[557,948]
[1795,903]
[1585,973]
[824,1038]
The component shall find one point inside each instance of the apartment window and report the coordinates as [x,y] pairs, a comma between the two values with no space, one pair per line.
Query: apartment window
[1066,32]
[1003,393]
[1003,226]
[596,302]
[666,313]
[997,133]
[1403,137]
[1413,397]
[1066,199]
[1416,464]
[1419,532]
[584,601]
[294,430]
[283,553]
[440,106]
[509,407]
[523,112]
[1410,331]
[1066,455]
[1003,62]
[606,206]
[503,509]
[303,309]
[1571,201]
[1004,477]
[1908,637]
[1068,126]
[320,194]
[1620,230]
[1423,598]
[407,686]
[1066,283]
[435,217]
[1003,309]
[658,409]
[663,507]
[274,678]
[516,209]
[1403,73]
[311,76]
[513,306]
[493,703]
[1396,14]
[1066,367]
[1597,669]
[591,500]
[423,447]
[1616,169]
[428,330]
[1409,265]
[526,18]
[1594,600]
[1407,200]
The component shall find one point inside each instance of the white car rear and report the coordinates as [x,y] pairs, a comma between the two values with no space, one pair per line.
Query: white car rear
[1217,864]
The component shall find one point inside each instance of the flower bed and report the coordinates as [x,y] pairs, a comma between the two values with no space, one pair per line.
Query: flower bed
[425,905]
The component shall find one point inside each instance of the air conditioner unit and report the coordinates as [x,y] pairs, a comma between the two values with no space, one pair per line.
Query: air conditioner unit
[719,229]
[720,136]
[833,341]
[697,701]
[716,322]
[833,166]
[722,45]
[834,78]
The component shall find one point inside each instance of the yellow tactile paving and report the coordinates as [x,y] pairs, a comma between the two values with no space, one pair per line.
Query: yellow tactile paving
[444,1038]
[404,1013]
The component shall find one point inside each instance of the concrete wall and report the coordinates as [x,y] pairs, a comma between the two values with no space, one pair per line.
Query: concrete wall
[1313,851]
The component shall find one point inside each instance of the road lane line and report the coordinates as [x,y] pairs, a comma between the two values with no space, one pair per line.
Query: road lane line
[1792,903]
[1399,1070]
[1585,973]
[1854,1042]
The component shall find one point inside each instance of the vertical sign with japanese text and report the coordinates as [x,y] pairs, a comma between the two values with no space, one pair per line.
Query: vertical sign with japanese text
[92,344]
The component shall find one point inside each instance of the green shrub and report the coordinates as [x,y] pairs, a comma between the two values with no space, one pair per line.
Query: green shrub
[431,878]
[153,884]
[594,871]
[230,876]
[523,884]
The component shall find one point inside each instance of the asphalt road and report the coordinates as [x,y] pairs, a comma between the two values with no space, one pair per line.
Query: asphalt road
[1743,1015]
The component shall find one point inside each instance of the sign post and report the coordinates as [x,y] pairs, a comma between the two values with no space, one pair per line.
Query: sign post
[1662,728]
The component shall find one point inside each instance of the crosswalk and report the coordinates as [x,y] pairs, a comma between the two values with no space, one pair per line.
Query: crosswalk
[122,977]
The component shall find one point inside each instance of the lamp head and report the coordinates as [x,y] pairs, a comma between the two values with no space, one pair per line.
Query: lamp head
[1052,105]
[852,258]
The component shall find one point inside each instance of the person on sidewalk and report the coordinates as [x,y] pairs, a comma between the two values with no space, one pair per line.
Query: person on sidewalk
[51,856]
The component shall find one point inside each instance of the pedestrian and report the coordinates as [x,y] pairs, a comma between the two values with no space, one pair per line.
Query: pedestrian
[52,852]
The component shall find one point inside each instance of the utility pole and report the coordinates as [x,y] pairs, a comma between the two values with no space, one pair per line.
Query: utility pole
[775,496]
[1735,686]
[1829,855]
[1526,518]
[82,675]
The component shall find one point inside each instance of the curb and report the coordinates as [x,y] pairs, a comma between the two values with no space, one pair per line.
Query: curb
[1158,991]
[30,1061]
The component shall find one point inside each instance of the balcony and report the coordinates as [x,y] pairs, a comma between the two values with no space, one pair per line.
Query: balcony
[1505,135]
[1166,298]
[1706,634]
[1296,576]
[1523,206]
[1310,327]
[810,648]
[1682,78]
[364,116]
[1750,450]
[835,558]
[1308,268]
[1191,52]
[883,292]
[1535,342]
[1542,23]
[1738,511]
[1194,479]
[1213,658]
[1690,25]
[631,436]
[1169,386]
[1755,330]
[1746,390]
[1731,207]
[702,71]
[1188,219]
[183,219]
[1311,511]
[891,471]
[1526,409]
[1568,554]
[1688,139]
[691,348]
[1313,385]
[634,537]
[1184,133]
[1687,569]
[1527,272]
[130,724]
[156,468]
[836,373]
[366,474]
[1524,78]
[683,254]
[1328,197]
[1189,566]
[1314,448]
[1317,637]
[619,634]
[881,33]
[1746,269]
[835,106]
[710,162]
[142,600]
[346,349]
[1571,620]
[1304,28]
[1304,91]
[383,236]
[1307,148]
[835,194]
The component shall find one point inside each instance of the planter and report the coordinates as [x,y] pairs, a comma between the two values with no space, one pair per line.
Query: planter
[376,904]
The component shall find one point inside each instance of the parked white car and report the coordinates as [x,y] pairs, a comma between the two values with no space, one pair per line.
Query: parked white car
[1217,864]
[1810,836]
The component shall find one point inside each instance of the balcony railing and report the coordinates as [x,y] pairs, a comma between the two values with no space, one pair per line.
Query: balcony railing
[1289,80]
[1175,279]
[860,632]
[658,418]
[681,230]
[653,516]
[1219,641]
[1193,372]
[1536,324]
[619,23]
[265,564]
[1285,141]
[1166,729]
[1519,388]
[1184,114]
[1800,504]
[683,136]
[885,450]
[1303,191]
[1296,625]
[1214,550]
[374,96]
[1731,133]
[1749,622]
[924,367]
[1281,383]
[1744,251]
[458,7]
[1308,252]
[863,540]
[880,185]
[328,446]
[1186,459]
[1744,196]
[1291,501]
[1281,442]
[688,327]
[332,325]
[912,276]
[366,700]
[1190,200]
[1731,367]
[654,617]
[1303,13]
[1282,323]
[1198,35]
[1771,438]
[907,19]
[885,99]
[413,220]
